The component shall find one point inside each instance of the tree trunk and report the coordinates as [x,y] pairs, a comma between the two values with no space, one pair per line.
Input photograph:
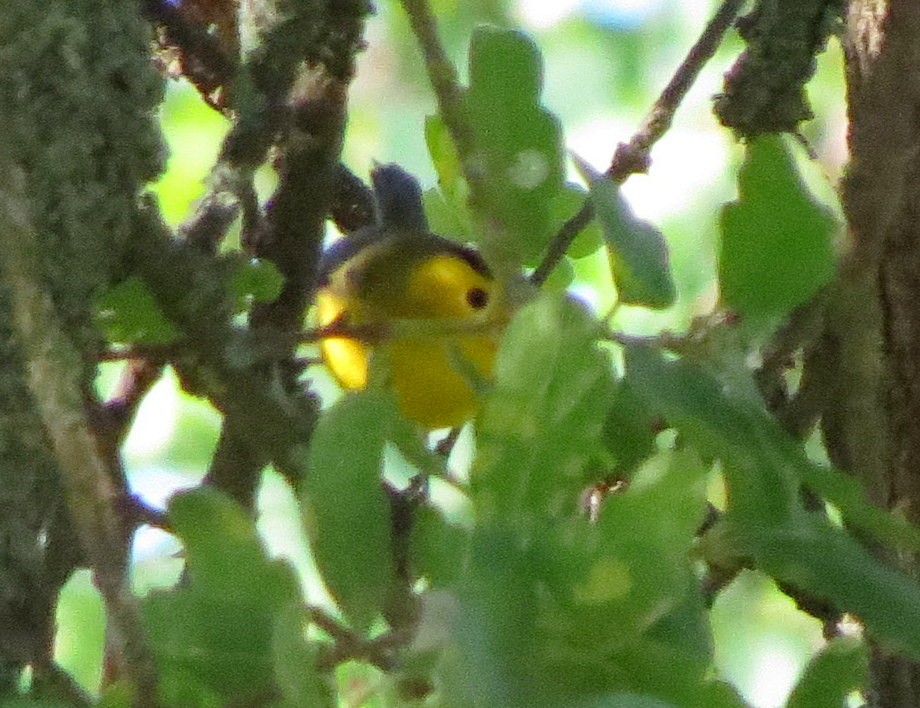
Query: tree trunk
[875,325]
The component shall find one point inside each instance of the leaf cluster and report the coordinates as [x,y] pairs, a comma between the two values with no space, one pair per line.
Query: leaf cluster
[574,565]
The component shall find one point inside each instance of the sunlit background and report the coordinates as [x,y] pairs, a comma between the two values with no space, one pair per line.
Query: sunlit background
[605,61]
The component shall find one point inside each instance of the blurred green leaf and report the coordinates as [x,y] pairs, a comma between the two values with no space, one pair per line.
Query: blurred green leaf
[213,637]
[765,466]
[118,694]
[565,205]
[629,431]
[521,142]
[561,277]
[127,313]
[621,700]
[494,661]
[760,480]
[542,422]
[179,687]
[443,154]
[638,250]
[561,609]
[824,562]
[446,217]
[840,668]
[437,547]
[346,511]
[848,495]
[777,246]
[719,694]
[224,552]
[256,279]
[631,568]
[295,663]
[505,66]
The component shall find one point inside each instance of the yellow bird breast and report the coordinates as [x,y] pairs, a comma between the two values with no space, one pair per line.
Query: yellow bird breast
[434,375]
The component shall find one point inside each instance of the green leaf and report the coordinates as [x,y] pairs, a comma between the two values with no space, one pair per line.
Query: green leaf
[840,668]
[118,694]
[631,567]
[756,452]
[128,313]
[777,248]
[519,140]
[826,563]
[506,67]
[446,216]
[437,547]
[764,469]
[848,495]
[560,278]
[765,465]
[224,552]
[178,688]
[257,279]
[638,250]
[443,154]
[565,205]
[213,637]
[295,663]
[346,511]
[564,609]
[629,431]
[621,700]
[542,422]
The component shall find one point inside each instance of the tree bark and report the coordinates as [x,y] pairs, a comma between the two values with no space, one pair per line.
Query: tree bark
[77,101]
[876,316]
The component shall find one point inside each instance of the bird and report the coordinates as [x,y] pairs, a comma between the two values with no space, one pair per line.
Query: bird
[439,309]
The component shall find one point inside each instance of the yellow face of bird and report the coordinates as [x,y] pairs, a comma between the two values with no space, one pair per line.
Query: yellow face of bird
[433,372]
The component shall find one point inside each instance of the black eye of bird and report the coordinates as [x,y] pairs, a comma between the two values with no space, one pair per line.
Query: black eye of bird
[477,298]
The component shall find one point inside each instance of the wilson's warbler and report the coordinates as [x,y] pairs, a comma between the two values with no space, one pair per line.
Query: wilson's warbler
[398,272]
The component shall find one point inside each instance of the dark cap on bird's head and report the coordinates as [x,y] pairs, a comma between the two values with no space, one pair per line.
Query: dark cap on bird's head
[400,214]
[399,198]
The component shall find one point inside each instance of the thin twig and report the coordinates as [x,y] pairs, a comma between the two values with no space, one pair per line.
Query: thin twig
[136,380]
[633,157]
[368,333]
[138,513]
[447,89]
[561,242]
[446,446]
[351,645]
[375,332]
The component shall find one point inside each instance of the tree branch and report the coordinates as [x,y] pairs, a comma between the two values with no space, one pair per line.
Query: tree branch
[291,235]
[765,89]
[448,91]
[202,60]
[55,374]
[634,157]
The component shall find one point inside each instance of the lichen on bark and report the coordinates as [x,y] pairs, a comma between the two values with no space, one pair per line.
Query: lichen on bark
[77,101]
[764,91]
